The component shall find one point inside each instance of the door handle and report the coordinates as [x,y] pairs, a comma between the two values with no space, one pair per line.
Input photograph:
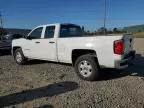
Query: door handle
[37,42]
[51,42]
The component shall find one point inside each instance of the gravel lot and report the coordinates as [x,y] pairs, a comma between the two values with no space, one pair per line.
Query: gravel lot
[43,84]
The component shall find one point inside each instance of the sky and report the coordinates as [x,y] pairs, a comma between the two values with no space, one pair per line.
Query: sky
[88,13]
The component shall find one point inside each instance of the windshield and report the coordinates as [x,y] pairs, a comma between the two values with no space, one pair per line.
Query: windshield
[70,30]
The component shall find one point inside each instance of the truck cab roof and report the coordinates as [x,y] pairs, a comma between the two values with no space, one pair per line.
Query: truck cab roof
[58,24]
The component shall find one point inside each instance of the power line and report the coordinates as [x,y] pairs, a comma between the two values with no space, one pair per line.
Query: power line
[105,6]
[105,15]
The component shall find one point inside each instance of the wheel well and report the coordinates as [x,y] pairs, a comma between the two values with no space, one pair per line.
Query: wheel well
[14,49]
[79,52]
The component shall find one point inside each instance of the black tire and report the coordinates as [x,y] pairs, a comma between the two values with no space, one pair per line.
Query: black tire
[23,60]
[93,73]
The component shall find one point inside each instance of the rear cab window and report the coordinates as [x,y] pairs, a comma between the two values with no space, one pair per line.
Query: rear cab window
[70,30]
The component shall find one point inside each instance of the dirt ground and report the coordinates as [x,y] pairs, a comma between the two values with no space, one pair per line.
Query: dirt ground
[42,84]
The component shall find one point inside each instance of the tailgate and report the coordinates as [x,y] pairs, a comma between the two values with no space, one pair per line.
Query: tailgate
[128,43]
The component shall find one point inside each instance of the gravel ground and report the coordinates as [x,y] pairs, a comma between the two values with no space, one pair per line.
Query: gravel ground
[50,85]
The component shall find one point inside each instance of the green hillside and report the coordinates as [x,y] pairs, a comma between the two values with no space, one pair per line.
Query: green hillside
[139,35]
[135,29]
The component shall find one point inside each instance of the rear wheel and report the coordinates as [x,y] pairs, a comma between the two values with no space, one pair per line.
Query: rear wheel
[19,57]
[87,68]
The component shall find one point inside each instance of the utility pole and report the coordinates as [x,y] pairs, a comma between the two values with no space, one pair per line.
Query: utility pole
[1,21]
[1,25]
[105,15]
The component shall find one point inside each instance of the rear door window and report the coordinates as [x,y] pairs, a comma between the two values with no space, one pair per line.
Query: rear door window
[49,32]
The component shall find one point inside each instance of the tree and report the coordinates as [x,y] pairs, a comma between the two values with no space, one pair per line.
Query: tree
[115,30]
[109,32]
[122,31]
[102,30]
[87,32]
[140,30]
[2,32]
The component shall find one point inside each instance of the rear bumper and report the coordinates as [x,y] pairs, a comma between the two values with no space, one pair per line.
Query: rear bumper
[124,63]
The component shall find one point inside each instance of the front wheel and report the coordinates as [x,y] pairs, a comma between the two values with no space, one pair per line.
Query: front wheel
[19,57]
[87,68]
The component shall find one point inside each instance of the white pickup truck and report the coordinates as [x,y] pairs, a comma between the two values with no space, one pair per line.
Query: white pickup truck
[66,43]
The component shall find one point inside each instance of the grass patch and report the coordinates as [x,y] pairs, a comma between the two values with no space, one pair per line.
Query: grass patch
[139,35]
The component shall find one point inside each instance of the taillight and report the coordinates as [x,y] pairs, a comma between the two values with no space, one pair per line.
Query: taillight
[118,47]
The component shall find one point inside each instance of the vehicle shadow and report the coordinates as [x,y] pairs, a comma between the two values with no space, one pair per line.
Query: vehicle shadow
[137,69]
[35,62]
[45,106]
[5,52]
[27,95]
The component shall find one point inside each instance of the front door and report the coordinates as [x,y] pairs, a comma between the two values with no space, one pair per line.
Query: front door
[32,43]
[47,45]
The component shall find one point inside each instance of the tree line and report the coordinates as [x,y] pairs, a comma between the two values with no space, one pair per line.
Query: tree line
[102,31]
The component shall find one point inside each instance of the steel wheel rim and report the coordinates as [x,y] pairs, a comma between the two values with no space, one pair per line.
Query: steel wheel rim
[85,68]
[18,57]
